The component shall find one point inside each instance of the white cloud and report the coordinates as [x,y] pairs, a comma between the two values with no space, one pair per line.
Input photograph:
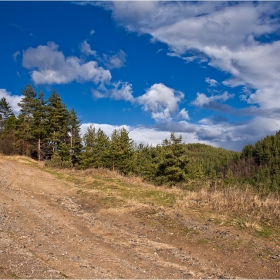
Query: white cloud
[205,121]
[96,94]
[145,135]
[225,35]
[161,101]
[122,90]
[115,61]
[54,68]
[223,134]
[85,49]
[15,55]
[184,114]
[92,32]
[211,82]
[13,100]
[117,91]
[202,99]
[240,39]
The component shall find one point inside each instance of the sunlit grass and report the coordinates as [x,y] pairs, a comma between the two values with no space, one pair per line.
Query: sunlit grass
[228,206]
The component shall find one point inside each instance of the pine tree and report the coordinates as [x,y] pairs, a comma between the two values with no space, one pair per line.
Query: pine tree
[40,125]
[58,117]
[121,151]
[87,156]
[24,131]
[102,149]
[5,113]
[74,132]
[172,168]
[7,128]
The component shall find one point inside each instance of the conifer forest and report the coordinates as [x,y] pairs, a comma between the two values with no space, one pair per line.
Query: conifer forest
[48,131]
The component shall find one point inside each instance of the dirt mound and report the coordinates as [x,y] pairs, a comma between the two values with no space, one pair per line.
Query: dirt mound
[74,226]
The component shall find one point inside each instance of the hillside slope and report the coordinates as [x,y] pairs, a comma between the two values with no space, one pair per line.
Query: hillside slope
[89,224]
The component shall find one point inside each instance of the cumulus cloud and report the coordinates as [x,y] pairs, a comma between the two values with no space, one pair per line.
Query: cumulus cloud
[215,131]
[122,90]
[225,35]
[117,91]
[237,38]
[97,94]
[13,100]
[15,55]
[202,99]
[161,101]
[146,135]
[115,61]
[211,82]
[86,49]
[184,114]
[54,68]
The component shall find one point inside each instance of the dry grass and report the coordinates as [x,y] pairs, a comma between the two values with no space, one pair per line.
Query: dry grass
[229,205]
[241,207]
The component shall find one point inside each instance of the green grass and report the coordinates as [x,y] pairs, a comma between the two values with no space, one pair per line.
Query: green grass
[13,275]
[115,191]
[73,179]
[111,202]
[265,232]
[55,173]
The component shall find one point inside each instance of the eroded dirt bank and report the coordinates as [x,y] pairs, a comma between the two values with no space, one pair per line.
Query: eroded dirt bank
[49,230]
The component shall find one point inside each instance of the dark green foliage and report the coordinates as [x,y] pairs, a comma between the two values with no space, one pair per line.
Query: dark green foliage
[56,160]
[5,112]
[58,117]
[121,151]
[42,127]
[24,129]
[74,133]
[39,125]
[172,167]
[46,130]
[96,149]
[7,136]
[7,126]
[259,164]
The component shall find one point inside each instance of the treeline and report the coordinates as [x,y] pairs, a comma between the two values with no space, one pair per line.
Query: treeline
[47,131]
[42,129]
[259,164]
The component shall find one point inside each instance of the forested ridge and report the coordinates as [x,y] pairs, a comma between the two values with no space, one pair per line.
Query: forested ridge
[47,131]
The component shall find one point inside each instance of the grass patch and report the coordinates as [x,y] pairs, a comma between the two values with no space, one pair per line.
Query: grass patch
[202,241]
[80,191]
[74,179]
[111,202]
[159,198]
[242,209]
[13,275]
[265,232]
[58,175]
[188,232]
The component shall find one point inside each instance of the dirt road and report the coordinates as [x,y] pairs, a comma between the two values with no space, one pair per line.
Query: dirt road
[49,230]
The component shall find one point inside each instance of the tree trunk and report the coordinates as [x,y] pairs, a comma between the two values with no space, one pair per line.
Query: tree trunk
[39,149]
[53,144]
[71,139]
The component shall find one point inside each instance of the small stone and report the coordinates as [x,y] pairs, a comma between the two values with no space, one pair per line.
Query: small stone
[142,236]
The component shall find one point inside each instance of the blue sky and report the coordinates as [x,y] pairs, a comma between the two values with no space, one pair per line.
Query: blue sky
[209,71]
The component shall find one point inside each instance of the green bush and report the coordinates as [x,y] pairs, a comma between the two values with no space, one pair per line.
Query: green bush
[57,162]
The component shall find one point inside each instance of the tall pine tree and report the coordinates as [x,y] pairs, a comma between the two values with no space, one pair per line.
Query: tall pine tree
[24,131]
[58,117]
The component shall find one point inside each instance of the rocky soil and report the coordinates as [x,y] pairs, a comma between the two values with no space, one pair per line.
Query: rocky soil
[48,229]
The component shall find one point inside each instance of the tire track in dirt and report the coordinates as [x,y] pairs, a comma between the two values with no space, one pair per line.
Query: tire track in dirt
[45,234]
[49,231]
